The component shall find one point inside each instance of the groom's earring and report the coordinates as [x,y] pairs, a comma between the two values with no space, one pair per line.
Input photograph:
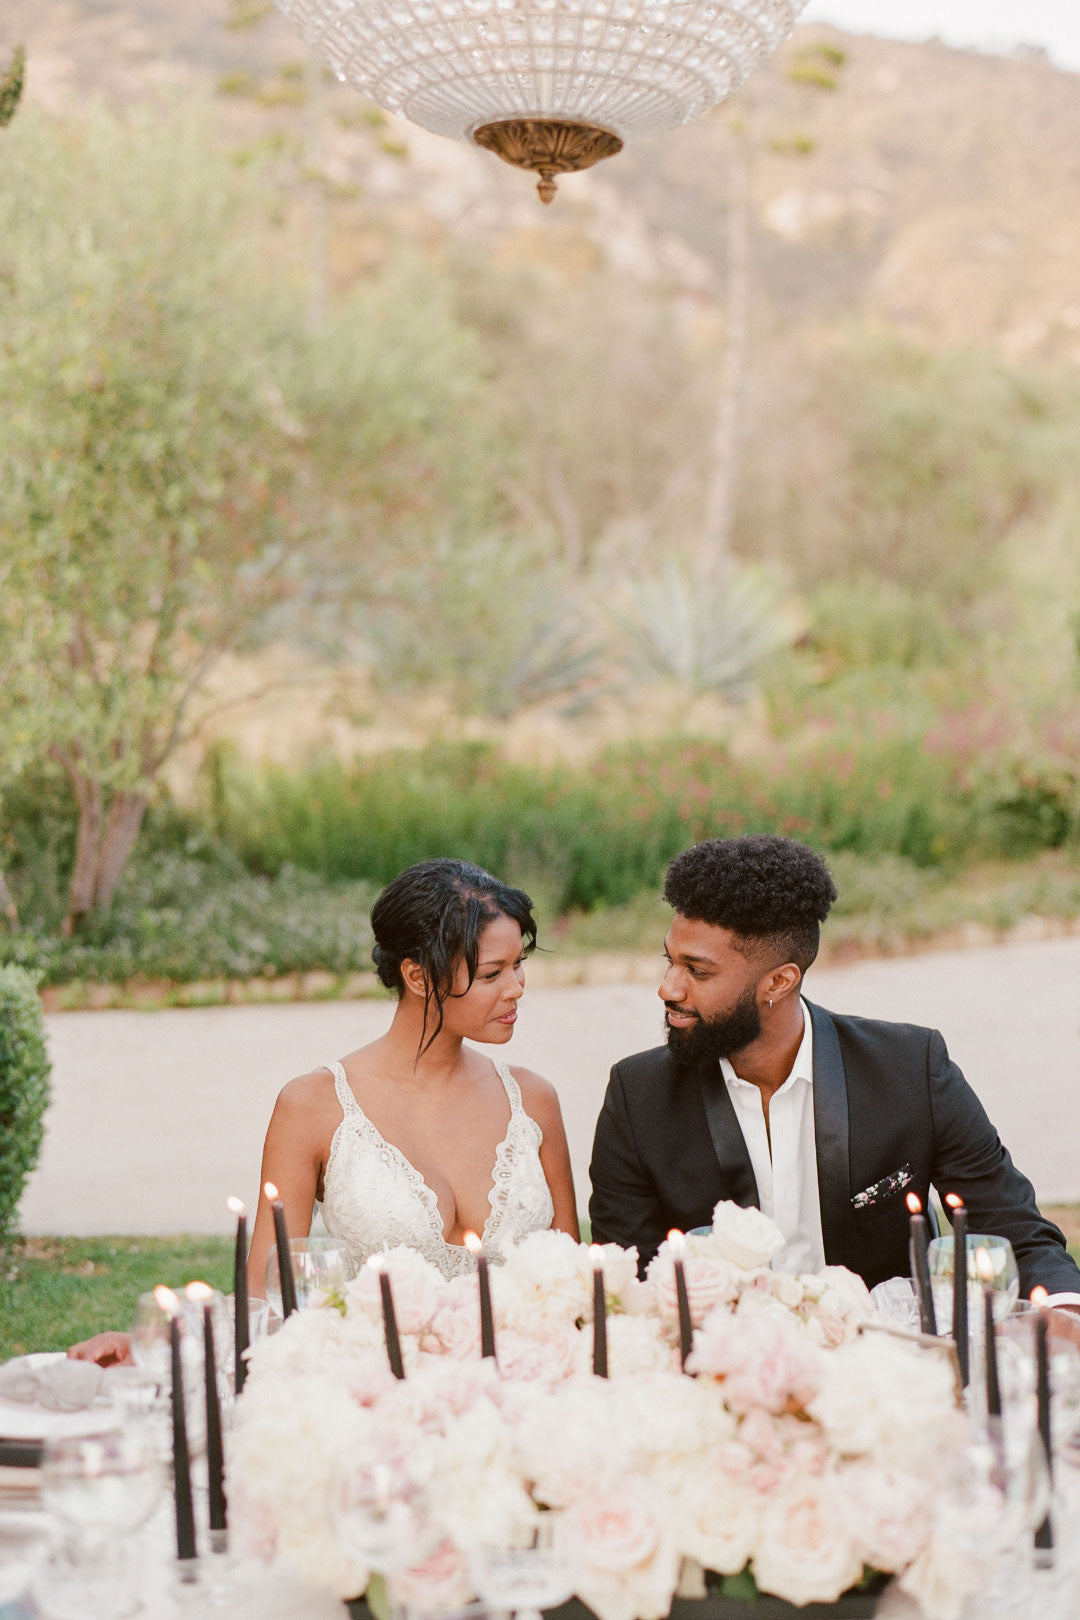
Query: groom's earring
[770,1001]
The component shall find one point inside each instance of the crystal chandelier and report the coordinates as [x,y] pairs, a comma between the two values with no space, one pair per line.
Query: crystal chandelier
[547,85]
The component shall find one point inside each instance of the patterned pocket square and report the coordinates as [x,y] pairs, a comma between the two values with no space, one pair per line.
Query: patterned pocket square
[887,1187]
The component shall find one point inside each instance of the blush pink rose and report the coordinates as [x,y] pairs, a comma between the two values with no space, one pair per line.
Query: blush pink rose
[762,1359]
[710,1281]
[454,1330]
[441,1582]
[544,1358]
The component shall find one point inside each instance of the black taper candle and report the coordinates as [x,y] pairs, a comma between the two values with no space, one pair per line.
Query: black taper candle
[390,1327]
[241,1328]
[686,1326]
[918,1251]
[993,1382]
[599,1315]
[284,1253]
[483,1282]
[960,1287]
[215,1451]
[185,1511]
[1044,1535]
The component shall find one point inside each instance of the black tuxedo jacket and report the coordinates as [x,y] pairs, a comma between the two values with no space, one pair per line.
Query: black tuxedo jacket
[887,1099]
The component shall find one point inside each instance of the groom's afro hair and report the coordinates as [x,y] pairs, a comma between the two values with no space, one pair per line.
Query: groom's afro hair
[767,890]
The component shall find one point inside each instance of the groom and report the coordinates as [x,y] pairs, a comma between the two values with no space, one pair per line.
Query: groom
[826,1122]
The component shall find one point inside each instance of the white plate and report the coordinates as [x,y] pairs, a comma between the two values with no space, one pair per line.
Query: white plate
[22,1420]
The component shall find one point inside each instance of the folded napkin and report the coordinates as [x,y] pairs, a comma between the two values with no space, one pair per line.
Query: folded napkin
[60,1386]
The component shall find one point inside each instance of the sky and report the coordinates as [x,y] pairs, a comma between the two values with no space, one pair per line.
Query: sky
[992,25]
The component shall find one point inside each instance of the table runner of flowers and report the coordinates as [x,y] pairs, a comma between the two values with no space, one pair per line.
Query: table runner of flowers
[803,1450]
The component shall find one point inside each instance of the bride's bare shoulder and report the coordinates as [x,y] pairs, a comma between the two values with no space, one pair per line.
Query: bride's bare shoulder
[538,1094]
[310,1094]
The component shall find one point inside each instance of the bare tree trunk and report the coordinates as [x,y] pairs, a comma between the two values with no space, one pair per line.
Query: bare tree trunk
[7,903]
[724,457]
[87,841]
[126,812]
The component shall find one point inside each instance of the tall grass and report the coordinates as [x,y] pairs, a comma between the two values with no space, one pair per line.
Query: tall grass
[600,835]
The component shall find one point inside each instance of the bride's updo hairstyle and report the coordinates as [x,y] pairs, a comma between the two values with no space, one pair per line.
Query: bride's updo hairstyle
[433,914]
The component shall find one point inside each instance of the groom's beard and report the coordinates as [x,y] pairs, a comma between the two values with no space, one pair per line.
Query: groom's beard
[710,1039]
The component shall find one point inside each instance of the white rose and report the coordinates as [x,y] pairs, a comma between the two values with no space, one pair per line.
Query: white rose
[627,1568]
[891,1401]
[942,1578]
[804,1552]
[746,1237]
[718,1519]
[636,1345]
[887,1512]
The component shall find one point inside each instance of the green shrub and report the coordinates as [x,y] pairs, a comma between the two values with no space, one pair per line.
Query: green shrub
[24,1088]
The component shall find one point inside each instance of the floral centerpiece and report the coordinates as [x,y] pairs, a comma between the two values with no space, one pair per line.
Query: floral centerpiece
[803,1453]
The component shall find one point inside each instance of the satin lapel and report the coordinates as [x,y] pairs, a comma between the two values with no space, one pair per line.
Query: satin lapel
[831,1137]
[729,1144]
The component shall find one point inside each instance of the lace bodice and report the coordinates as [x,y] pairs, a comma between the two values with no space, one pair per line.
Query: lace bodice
[373,1198]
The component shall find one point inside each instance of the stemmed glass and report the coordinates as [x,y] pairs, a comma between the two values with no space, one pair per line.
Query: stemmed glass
[528,1579]
[1002,1280]
[101,1489]
[384,1520]
[321,1266]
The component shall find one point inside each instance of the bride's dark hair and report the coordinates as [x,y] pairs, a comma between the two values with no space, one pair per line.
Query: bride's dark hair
[433,914]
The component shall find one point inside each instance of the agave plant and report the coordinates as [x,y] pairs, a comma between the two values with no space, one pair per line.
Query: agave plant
[709,630]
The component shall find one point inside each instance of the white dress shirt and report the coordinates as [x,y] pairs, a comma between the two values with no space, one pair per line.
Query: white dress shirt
[787,1179]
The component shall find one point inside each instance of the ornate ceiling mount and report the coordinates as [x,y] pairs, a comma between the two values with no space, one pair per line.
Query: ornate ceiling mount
[548,146]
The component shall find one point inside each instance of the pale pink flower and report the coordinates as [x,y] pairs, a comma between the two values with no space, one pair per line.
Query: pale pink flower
[442,1581]
[540,1358]
[887,1512]
[804,1551]
[710,1281]
[762,1358]
[454,1330]
[628,1568]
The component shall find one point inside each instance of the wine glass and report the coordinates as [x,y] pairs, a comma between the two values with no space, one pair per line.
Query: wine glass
[997,1273]
[101,1489]
[321,1266]
[527,1579]
[384,1519]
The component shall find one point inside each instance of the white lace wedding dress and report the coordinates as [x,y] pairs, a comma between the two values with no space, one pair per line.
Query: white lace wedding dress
[373,1198]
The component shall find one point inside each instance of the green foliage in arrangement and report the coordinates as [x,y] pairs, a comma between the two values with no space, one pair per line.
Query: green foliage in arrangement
[24,1088]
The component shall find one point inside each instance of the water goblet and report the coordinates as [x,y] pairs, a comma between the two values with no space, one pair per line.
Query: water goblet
[526,1579]
[321,1266]
[1002,1279]
[100,1489]
[384,1519]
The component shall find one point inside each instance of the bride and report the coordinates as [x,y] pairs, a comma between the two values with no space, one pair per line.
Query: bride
[417,1138]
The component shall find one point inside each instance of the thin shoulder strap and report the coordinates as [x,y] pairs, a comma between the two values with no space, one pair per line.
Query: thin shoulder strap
[343,1090]
[510,1086]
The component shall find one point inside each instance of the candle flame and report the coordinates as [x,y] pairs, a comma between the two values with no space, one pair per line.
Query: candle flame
[236,1205]
[914,1203]
[473,1243]
[596,1255]
[954,1200]
[199,1291]
[984,1265]
[167,1300]
[376,1262]
[269,1189]
[677,1243]
[1039,1296]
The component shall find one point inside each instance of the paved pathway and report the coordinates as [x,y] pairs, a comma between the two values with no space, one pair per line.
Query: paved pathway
[157,1116]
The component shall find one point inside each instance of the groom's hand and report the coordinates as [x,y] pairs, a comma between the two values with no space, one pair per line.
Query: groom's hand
[106,1349]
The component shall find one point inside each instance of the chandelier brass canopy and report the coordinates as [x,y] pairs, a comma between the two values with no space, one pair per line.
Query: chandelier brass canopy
[548,146]
[547,85]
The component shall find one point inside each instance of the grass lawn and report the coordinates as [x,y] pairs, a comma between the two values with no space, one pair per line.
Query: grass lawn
[59,1290]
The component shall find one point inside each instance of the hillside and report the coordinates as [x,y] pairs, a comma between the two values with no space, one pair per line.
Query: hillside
[933,189]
